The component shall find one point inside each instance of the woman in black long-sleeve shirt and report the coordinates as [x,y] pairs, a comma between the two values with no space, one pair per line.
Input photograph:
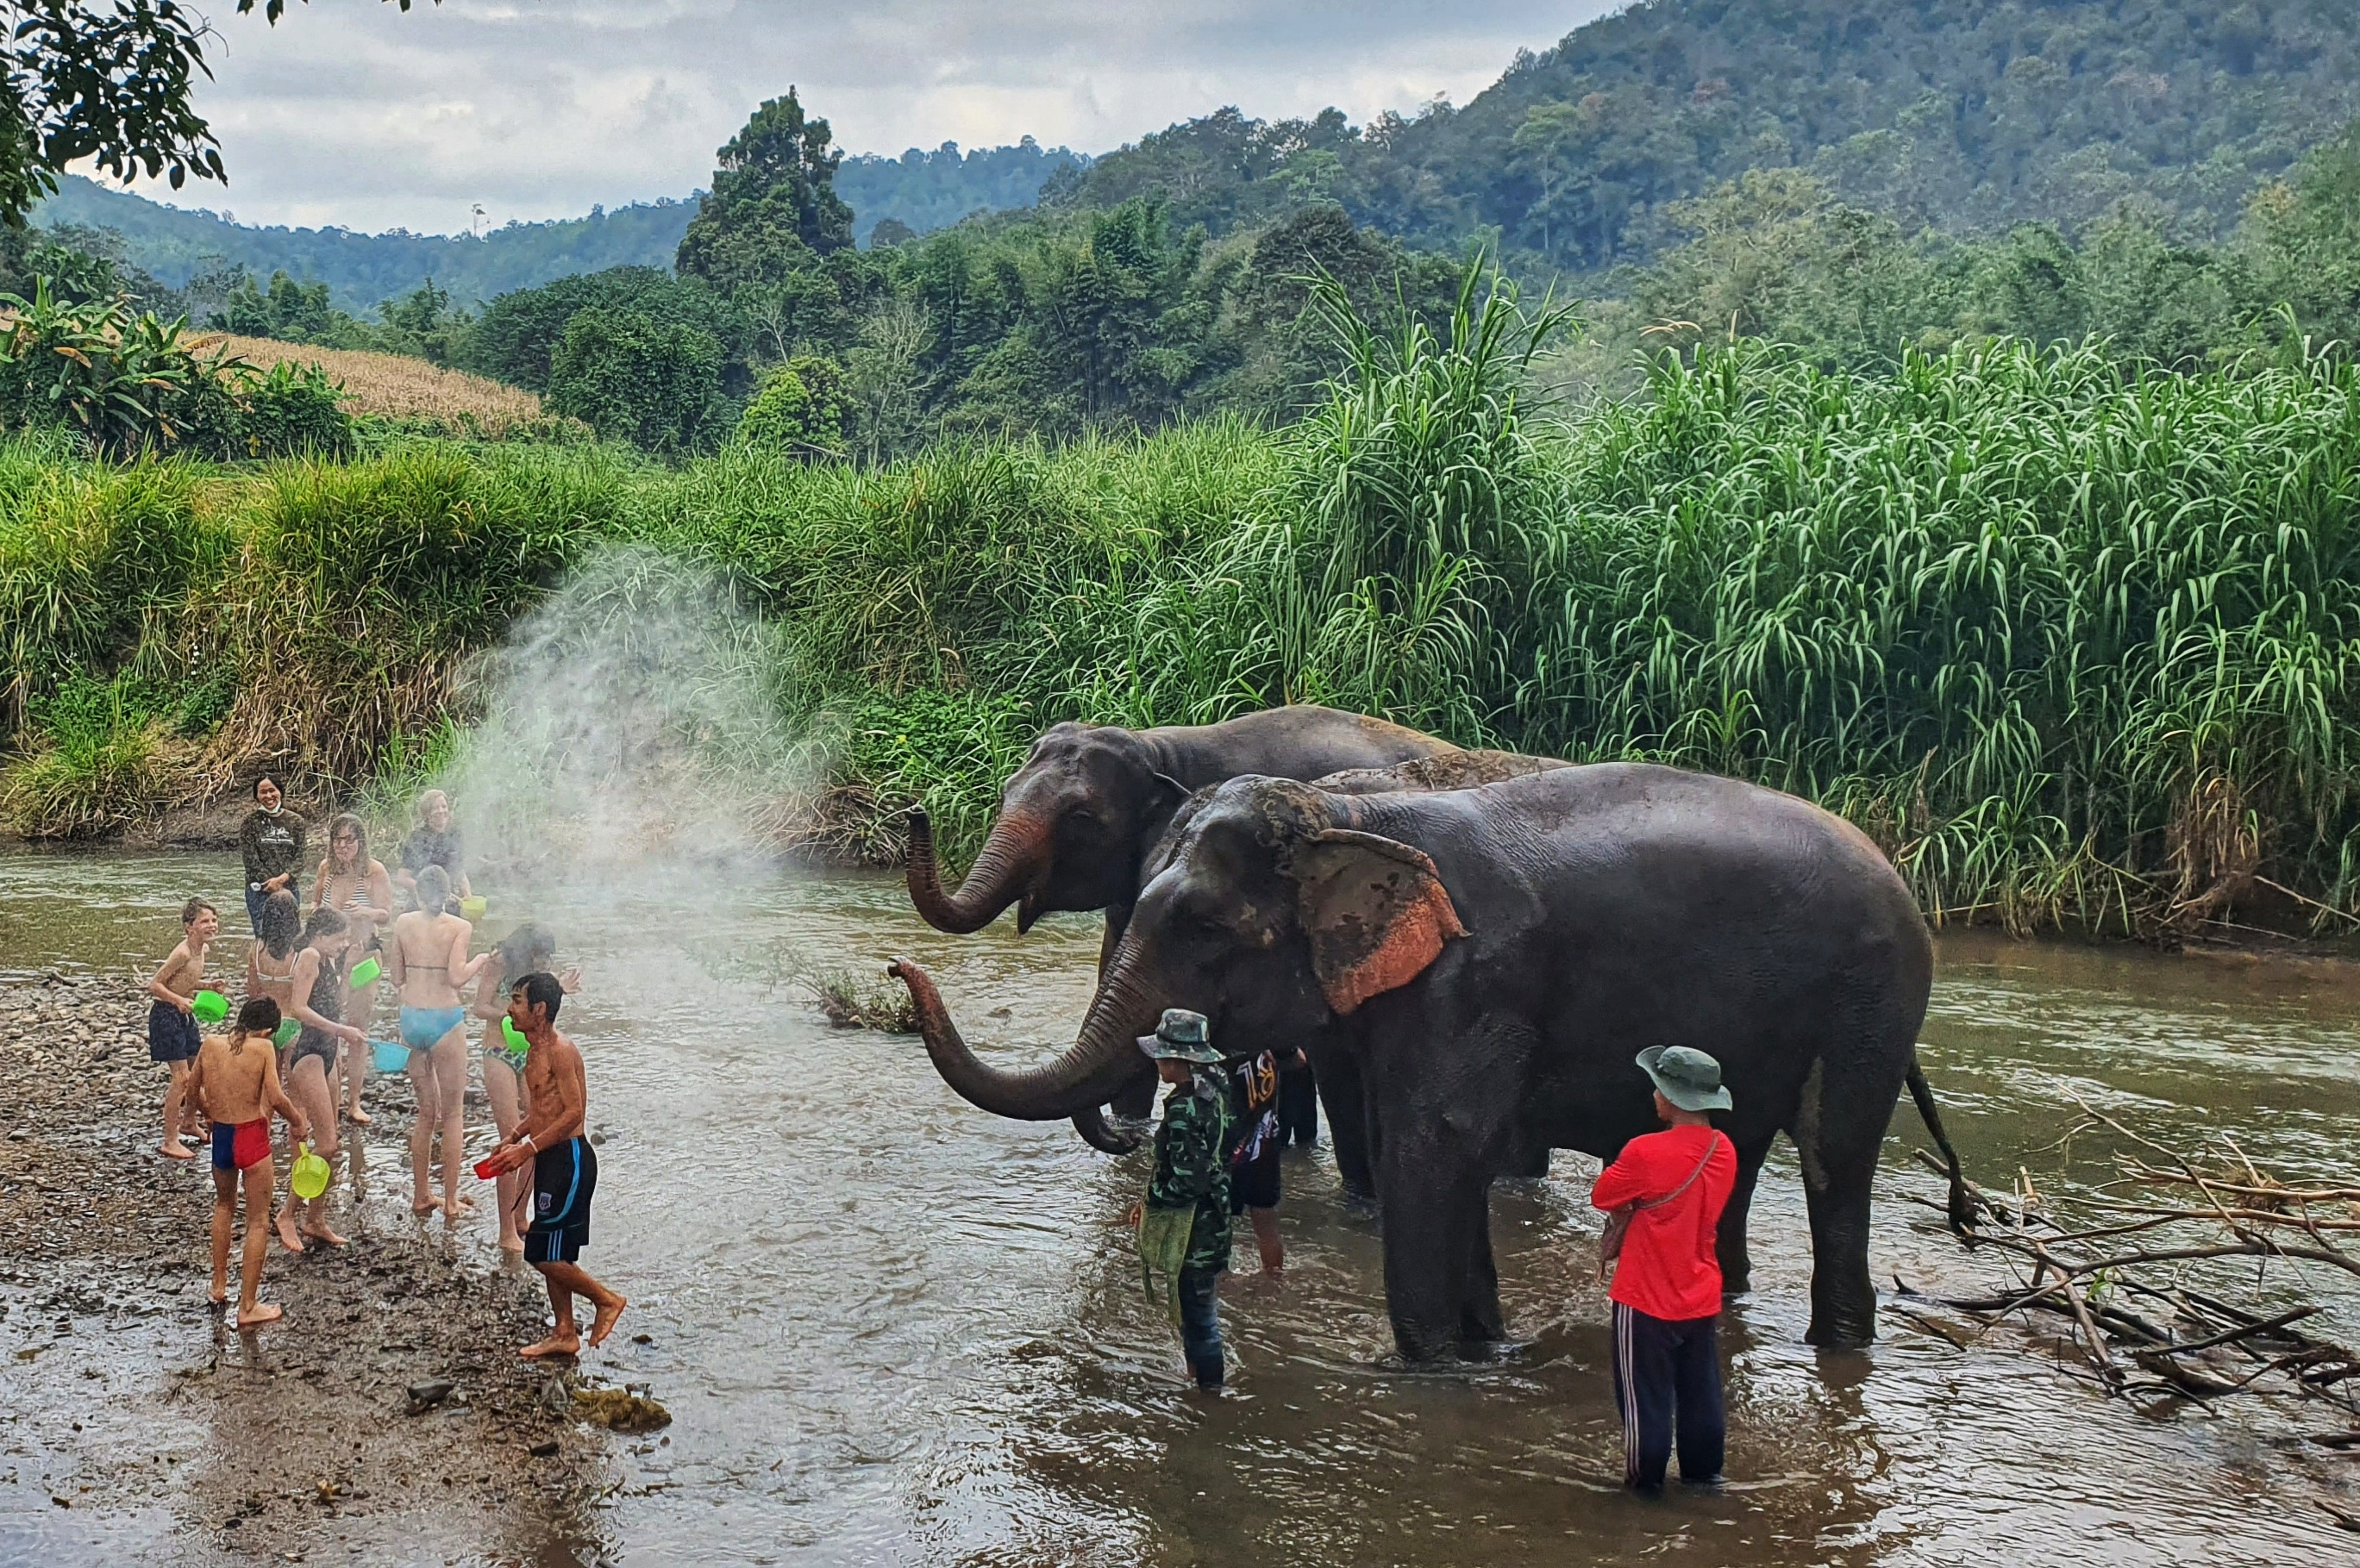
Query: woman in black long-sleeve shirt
[271,839]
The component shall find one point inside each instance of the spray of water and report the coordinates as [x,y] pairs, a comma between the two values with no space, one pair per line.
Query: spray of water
[632,732]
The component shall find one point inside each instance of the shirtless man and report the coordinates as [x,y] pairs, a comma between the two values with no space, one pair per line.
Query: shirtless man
[564,1168]
[235,1084]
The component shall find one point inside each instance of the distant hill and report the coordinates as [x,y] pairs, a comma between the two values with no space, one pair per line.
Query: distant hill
[930,190]
[362,270]
[1971,114]
[926,191]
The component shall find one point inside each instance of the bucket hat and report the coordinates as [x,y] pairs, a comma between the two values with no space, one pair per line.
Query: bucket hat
[1183,1035]
[1686,1076]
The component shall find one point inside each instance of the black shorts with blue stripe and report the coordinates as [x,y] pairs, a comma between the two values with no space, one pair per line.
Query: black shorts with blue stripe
[563,1178]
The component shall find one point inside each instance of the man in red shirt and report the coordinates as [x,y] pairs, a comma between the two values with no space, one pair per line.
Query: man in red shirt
[1672,1185]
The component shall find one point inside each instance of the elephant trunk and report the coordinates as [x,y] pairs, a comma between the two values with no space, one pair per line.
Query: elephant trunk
[1015,853]
[1100,1135]
[1101,1061]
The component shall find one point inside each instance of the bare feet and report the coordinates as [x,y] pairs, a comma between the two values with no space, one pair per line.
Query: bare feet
[322,1233]
[357,1117]
[422,1207]
[602,1322]
[217,1299]
[262,1313]
[287,1236]
[458,1208]
[175,1150]
[555,1345]
[512,1244]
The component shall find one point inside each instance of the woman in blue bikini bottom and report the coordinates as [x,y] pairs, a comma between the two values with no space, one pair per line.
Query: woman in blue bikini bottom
[427,958]
[423,1027]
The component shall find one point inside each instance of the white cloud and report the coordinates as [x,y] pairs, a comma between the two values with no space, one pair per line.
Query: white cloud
[351,111]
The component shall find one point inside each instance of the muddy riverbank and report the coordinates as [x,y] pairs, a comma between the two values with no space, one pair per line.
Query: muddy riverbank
[302,1437]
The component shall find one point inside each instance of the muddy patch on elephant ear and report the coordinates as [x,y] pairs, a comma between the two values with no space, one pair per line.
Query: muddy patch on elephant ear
[1375,911]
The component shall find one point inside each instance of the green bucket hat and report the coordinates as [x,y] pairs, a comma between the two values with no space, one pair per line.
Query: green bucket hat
[1687,1077]
[1183,1035]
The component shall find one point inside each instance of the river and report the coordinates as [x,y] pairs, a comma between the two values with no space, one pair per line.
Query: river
[892,1328]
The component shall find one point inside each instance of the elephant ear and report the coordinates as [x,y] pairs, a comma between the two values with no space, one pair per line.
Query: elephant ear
[1375,910]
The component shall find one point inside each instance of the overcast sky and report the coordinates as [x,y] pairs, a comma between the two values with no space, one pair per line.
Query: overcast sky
[351,111]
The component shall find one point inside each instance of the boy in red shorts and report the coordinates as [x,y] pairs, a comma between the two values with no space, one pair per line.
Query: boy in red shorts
[235,1084]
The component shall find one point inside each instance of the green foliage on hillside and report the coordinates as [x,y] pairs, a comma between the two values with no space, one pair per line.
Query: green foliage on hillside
[921,191]
[1973,115]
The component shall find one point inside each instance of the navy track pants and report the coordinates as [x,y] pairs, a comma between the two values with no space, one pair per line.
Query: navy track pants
[1667,1374]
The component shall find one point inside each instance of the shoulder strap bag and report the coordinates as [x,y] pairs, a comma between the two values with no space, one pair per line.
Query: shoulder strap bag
[1618,1221]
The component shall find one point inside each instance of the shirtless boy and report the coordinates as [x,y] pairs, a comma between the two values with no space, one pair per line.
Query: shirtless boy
[236,1085]
[564,1168]
[172,1022]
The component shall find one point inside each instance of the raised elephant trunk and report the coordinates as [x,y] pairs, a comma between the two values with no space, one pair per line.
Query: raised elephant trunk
[1101,1061]
[1014,853]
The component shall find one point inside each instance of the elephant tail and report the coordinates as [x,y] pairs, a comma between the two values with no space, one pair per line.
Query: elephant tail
[1962,1198]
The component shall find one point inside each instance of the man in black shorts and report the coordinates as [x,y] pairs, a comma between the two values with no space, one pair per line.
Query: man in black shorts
[1254,1154]
[564,1168]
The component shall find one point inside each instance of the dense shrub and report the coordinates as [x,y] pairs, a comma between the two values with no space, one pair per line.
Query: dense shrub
[633,379]
[802,409]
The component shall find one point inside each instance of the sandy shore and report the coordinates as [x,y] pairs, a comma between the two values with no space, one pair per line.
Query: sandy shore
[142,1414]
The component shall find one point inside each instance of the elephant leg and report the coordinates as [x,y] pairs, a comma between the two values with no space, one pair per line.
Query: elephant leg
[1347,1126]
[1736,1262]
[1430,1237]
[1838,1133]
[1527,1161]
[1479,1321]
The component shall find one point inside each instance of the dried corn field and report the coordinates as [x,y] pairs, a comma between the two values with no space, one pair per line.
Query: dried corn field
[394,387]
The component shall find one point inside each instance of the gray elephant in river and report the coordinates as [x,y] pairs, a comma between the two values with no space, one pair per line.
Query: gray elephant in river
[1078,818]
[1492,959]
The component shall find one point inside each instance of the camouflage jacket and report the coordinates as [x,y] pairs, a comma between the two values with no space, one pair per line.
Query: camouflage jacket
[1191,1170]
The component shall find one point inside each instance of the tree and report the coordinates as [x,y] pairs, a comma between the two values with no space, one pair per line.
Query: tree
[107,81]
[632,378]
[802,409]
[773,208]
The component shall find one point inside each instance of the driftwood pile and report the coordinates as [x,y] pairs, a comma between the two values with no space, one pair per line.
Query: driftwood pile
[2116,1281]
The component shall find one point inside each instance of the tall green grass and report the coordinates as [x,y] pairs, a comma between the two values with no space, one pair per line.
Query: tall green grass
[2070,644]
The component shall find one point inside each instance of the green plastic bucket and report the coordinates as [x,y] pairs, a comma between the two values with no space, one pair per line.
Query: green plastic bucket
[366,971]
[209,1008]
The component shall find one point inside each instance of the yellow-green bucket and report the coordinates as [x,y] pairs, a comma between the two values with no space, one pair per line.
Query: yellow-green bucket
[311,1176]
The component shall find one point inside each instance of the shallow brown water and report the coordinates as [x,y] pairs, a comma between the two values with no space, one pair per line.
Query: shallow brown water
[894,1329]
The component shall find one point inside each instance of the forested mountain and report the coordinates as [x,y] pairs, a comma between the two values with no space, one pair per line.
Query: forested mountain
[1970,114]
[175,244]
[921,191]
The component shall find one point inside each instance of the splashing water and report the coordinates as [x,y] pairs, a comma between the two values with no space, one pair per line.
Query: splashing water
[633,729]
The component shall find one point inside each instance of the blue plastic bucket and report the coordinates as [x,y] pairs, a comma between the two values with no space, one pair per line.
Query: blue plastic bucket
[391,1055]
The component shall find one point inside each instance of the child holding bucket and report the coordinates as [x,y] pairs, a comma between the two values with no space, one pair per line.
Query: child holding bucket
[172,1023]
[235,1084]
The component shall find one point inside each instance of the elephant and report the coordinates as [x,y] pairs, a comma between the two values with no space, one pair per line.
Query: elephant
[1076,819]
[1491,959]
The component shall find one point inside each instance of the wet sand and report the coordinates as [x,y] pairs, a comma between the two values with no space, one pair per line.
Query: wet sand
[297,1437]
